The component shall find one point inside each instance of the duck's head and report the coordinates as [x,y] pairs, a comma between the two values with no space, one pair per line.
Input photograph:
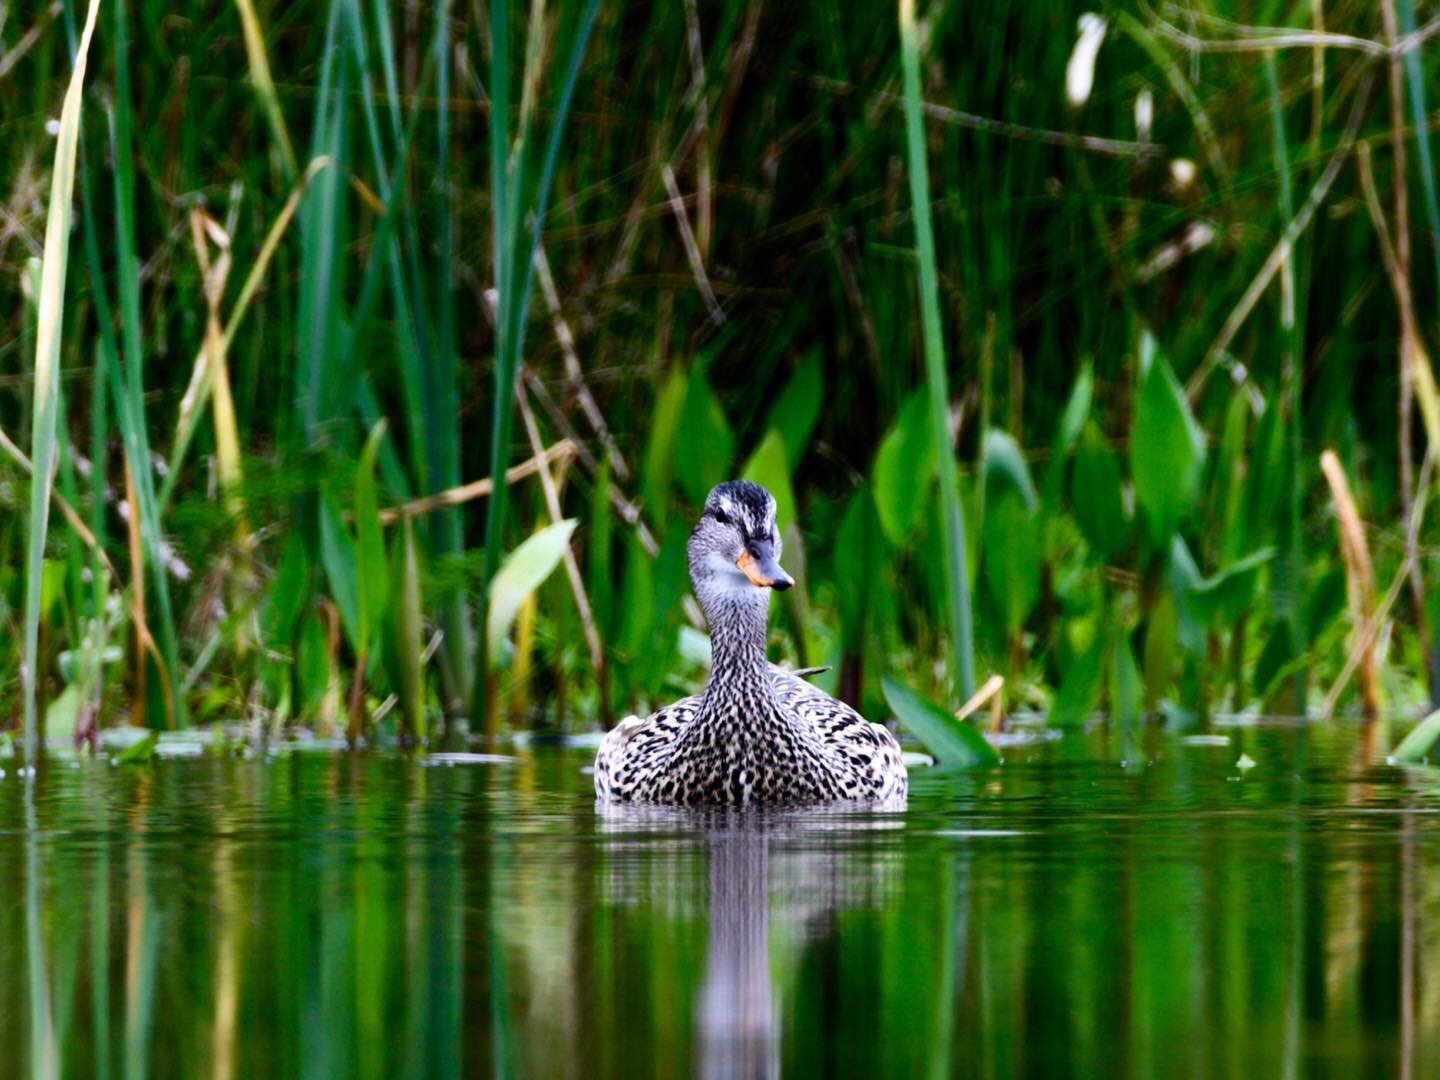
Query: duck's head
[735,548]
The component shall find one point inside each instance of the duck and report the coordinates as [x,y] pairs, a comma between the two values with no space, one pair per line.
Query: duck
[757,734]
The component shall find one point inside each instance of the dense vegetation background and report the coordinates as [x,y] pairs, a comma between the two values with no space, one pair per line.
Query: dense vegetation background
[1173,266]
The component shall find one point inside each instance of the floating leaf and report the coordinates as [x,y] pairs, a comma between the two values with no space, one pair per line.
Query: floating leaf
[522,572]
[954,744]
[1167,452]
[904,470]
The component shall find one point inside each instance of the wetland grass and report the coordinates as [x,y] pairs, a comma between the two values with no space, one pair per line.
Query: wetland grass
[1042,393]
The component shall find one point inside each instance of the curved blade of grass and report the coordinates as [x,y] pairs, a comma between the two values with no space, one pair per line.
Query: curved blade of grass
[952,518]
[197,393]
[264,84]
[47,365]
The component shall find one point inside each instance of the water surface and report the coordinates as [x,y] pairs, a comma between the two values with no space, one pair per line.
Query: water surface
[1097,905]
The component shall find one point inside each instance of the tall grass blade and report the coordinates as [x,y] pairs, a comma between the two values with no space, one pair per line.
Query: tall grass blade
[264,83]
[952,517]
[514,262]
[131,397]
[1291,573]
[49,324]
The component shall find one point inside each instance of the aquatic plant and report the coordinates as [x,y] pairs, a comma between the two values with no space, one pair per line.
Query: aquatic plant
[1038,344]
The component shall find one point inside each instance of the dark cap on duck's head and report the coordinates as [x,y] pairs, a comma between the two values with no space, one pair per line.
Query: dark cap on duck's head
[737,528]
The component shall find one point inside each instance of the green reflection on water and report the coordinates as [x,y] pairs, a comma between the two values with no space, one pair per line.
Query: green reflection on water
[1068,913]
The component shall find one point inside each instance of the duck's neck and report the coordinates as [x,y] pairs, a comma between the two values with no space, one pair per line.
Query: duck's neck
[737,648]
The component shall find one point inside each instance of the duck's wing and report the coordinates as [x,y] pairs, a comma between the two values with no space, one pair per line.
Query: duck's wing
[869,748]
[635,743]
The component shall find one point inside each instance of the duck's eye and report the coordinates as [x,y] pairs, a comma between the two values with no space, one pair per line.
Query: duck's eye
[720,516]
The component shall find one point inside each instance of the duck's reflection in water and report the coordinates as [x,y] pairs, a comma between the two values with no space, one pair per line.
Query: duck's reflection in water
[799,864]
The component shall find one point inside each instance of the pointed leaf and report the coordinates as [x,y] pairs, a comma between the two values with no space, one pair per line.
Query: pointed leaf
[522,572]
[954,744]
[904,470]
[798,407]
[660,450]
[1012,558]
[1004,466]
[1095,492]
[770,468]
[1167,452]
[709,445]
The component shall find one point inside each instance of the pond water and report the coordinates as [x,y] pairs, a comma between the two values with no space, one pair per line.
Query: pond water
[1097,905]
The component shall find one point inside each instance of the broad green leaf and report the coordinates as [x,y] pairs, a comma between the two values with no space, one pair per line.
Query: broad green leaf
[660,450]
[705,446]
[522,572]
[1227,593]
[769,468]
[337,552]
[1012,558]
[1003,464]
[798,407]
[1080,686]
[1167,453]
[904,470]
[954,743]
[1415,747]
[1095,492]
[373,575]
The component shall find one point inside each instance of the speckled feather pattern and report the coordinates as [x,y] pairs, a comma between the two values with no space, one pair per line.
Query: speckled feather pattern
[757,734]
